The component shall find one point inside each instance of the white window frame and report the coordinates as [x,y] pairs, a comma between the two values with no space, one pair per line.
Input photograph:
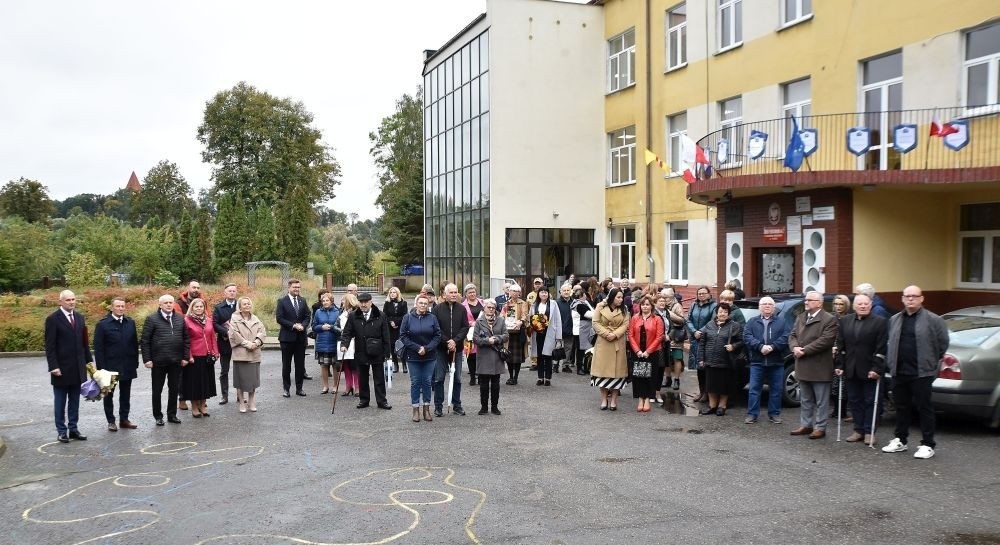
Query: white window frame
[736,141]
[988,259]
[993,75]
[800,15]
[731,37]
[675,142]
[683,248]
[884,128]
[626,58]
[676,38]
[617,247]
[795,108]
[621,145]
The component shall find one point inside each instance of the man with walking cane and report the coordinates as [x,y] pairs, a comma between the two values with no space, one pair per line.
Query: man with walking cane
[454,321]
[918,339]
[860,364]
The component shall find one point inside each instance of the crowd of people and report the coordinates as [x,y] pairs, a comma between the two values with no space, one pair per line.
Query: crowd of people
[615,334]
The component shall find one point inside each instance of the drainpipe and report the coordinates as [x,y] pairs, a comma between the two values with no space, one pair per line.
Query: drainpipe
[649,145]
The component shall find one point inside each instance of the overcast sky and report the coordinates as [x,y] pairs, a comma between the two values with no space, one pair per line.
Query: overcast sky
[90,91]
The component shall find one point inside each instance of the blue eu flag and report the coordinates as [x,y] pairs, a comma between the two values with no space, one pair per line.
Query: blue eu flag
[794,151]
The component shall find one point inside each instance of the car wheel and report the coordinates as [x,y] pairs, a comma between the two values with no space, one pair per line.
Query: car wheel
[790,392]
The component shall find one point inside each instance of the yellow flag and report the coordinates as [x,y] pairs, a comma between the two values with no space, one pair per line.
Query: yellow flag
[650,157]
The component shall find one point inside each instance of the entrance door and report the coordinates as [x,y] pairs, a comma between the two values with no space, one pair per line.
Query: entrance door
[553,263]
[775,270]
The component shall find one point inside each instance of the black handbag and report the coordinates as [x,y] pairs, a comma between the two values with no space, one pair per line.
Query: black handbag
[677,334]
[559,352]
[737,358]
[642,368]
[373,347]
[503,351]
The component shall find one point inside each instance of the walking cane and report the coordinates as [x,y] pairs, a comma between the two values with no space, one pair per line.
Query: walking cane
[336,387]
[450,377]
[840,404]
[875,410]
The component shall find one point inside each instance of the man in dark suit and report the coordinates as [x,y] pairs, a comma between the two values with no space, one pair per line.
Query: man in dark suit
[811,341]
[293,315]
[67,354]
[369,330]
[503,297]
[220,321]
[165,348]
[860,362]
[116,348]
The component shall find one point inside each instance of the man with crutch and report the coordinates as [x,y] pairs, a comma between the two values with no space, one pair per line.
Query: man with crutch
[918,339]
[860,363]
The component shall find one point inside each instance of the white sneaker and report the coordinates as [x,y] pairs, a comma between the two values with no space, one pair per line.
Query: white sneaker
[924,452]
[895,446]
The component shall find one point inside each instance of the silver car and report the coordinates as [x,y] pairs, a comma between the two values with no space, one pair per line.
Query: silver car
[968,381]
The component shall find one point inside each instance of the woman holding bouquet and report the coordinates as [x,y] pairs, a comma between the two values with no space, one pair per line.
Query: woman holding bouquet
[516,314]
[246,334]
[610,367]
[198,379]
[546,327]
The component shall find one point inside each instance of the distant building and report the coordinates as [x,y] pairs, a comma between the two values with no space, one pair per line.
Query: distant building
[133,183]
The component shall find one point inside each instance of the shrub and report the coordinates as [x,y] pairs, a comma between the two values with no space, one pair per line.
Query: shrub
[166,278]
[82,270]
[20,339]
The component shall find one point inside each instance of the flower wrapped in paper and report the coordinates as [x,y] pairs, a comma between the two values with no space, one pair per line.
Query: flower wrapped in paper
[539,322]
[101,383]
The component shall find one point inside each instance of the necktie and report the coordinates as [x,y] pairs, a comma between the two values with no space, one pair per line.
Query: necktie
[72,322]
[295,303]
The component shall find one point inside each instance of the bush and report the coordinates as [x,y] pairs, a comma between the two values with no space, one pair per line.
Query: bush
[82,270]
[166,278]
[19,339]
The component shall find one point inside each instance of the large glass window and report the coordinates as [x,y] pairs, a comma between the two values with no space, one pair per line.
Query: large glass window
[676,129]
[882,95]
[793,11]
[621,61]
[621,156]
[982,66]
[796,101]
[730,23]
[979,246]
[677,251]
[730,116]
[622,252]
[677,54]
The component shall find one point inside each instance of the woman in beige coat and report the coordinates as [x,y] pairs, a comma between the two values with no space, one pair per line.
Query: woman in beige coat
[246,334]
[610,367]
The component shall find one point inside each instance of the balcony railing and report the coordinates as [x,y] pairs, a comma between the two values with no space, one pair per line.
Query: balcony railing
[835,132]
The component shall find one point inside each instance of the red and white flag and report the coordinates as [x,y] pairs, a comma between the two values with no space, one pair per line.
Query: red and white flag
[941,129]
[691,155]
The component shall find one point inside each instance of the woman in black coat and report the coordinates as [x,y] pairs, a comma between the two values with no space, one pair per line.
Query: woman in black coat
[394,310]
[721,340]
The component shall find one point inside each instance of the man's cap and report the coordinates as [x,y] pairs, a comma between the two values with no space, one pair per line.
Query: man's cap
[364,296]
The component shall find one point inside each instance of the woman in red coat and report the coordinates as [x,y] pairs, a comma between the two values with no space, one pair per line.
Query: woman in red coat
[645,337]
[198,379]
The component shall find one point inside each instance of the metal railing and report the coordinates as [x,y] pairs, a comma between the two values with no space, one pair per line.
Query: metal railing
[976,142]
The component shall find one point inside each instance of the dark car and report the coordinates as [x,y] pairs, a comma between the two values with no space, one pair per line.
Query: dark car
[413,270]
[968,381]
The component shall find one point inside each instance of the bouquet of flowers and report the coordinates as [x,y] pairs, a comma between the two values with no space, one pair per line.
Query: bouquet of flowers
[101,383]
[539,322]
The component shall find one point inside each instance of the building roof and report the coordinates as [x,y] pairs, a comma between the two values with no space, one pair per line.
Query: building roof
[429,54]
[133,183]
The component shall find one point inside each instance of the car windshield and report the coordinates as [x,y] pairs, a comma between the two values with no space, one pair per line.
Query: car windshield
[971,330]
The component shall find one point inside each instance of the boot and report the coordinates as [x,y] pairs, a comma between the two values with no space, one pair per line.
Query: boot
[555,367]
[404,367]
[416,414]
[427,413]
[224,388]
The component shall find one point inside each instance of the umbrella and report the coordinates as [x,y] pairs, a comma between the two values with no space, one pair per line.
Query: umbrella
[449,379]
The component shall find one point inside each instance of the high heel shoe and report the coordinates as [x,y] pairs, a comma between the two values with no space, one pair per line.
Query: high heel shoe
[346,393]
[721,411]
[604,406]
[243,407]
[706,411]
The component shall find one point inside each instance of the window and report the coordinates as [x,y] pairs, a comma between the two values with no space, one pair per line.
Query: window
[982,67]
[623,252]
[621,61]
[677,127]
[677,251]
[796,101]
[677,53]
[731,115]
[979,246]
[882,97]
[621,158]
[794,11]
[730,23]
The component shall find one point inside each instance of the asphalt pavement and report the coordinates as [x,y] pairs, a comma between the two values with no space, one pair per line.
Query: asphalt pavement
[552,469]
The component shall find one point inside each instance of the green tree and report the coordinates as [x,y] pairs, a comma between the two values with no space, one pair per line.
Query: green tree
[233,238]
[200,245]
[33,253]
[84,270]
[294,216]
[182,259]
[398,151]
[88,203]
[150,249]
[265,248]
[260,145]
[118,205]
[164,193]
[28,199]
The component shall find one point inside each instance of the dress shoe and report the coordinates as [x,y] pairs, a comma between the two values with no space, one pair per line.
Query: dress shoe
[438,413]
[306,377]
[385,406]
[484,410]
[458,411]
[324,391]
[63,438]
[173,420]
[817,434]
[346,393]
[159,421]
[721,411]
[112,426]
[286,394]
[300,393]
[77,436]
[126,425]
[854,437]
[495,411]
[868,439]
[801,430]
[509,382]
[363,405]
[539,382]
[706,411]
[223,401]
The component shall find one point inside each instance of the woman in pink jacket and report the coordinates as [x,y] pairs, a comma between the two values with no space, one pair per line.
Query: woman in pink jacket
[198,379]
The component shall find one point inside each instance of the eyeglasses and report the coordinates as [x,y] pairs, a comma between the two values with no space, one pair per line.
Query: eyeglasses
[912,296]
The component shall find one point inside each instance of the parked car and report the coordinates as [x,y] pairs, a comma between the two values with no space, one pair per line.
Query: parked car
[413,270]
[968,381]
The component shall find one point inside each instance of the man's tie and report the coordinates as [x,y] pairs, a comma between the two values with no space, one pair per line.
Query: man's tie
[295,304]
[72,322]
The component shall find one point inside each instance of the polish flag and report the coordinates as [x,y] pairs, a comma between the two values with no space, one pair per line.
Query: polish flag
[691,155]
[941,129]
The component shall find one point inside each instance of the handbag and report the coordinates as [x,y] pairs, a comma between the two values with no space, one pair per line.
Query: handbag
[503,351]
[737,358]
[559,353]
[399,348]
[373,346]
[642,368]
[210,359]
[677,334]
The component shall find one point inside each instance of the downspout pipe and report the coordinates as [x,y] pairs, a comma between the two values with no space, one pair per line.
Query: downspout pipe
[649,145]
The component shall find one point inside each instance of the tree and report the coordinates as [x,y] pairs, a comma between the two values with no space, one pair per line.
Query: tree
[200,246]
[28,199]
[182,258]
[88,203]
[328,216]
[265,248]
[164,193]
[261,145]
[233,239]
[294,216]
[398,151]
